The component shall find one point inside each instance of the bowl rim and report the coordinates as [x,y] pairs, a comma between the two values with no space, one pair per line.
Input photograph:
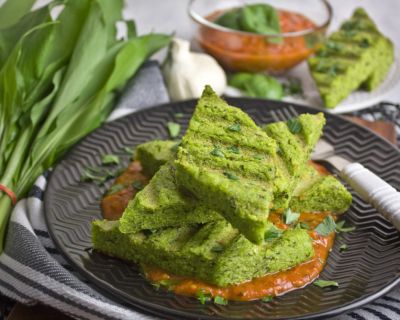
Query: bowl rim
[204,22]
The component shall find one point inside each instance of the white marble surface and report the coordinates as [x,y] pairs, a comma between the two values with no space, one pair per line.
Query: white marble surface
[171,16]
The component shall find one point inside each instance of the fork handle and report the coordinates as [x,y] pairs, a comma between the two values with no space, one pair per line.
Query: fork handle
[374,190]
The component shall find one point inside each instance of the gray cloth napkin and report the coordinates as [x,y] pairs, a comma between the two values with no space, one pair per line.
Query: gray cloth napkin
[33,271]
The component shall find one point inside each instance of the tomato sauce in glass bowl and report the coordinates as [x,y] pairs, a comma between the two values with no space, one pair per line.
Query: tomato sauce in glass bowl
[245,51]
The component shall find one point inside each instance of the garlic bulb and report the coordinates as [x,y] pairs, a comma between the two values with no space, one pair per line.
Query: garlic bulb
[186,73]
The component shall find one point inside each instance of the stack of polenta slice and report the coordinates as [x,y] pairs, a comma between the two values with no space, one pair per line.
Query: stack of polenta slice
[356,56]
[204,213]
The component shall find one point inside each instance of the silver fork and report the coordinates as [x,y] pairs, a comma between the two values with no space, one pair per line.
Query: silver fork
[368,185]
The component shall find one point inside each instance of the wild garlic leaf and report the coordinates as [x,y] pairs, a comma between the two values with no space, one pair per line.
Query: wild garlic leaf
[326,227]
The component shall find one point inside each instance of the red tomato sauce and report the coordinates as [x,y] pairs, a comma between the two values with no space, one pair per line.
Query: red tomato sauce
[269,285]
[241,52]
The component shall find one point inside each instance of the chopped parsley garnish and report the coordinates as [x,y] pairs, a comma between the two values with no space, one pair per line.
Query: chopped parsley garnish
[137,185]
[258,157]
[304,225]
[290,217]
[217,152]
[110,159]
[325,283]
[272,233]
[178,115]
[115,188]
[364,43]
[235,127]
[220,300]
[294,125]
[326,227]
[343,247]
[174,129]
[98,174]
[341,228]
[230,176]
[234,149]
[217,248]
[203,297]
[129,150]
[267,299]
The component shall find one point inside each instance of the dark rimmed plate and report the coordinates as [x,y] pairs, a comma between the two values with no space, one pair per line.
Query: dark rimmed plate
[369,268]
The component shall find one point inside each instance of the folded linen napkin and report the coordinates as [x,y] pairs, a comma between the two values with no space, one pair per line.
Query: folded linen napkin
[33,271]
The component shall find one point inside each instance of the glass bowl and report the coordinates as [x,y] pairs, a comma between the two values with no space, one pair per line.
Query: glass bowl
[245,51]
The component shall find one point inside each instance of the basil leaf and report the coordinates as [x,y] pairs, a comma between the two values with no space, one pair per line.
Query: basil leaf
[294,125]
[230,19]
[272,233]
[325,283]
[257,85]
[110,159]
[220,300]
[340,227]
[260,18]
[174,129]
[290,217]
[326,227]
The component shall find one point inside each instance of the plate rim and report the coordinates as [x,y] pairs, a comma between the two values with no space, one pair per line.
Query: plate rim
[107,289]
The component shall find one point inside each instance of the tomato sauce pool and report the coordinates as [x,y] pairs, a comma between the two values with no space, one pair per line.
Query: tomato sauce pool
[269,285]
[247,52]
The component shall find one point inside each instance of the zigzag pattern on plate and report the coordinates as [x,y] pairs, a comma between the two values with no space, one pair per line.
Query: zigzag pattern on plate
[370,266]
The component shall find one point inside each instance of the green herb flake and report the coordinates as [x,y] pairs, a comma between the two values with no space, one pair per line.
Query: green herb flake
[305,226]
[220,300]
[217,152]
[231,176]
[115,188]
[169,284]
[89,176]
[343,247]
[290,217]
[325,283]
[341,228]
[364,43]
[267,299]
[108,159]
[129,150]
[234,149]
[178,115]
[326,227]
[137,185]
[174,129]
[259,157]
[293,87]
[235,127]
[217,248]
[203,297]
[294,125]
[272,233]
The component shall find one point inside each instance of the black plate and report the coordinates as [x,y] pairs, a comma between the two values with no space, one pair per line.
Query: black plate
[369,268]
